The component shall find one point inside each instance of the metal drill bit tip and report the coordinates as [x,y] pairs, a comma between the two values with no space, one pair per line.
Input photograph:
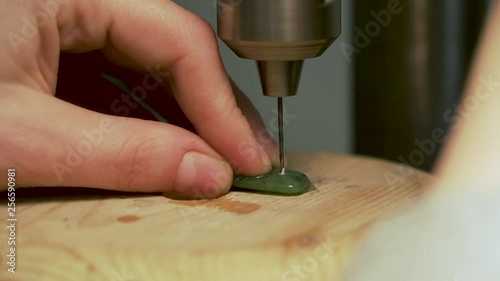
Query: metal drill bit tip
[281,140]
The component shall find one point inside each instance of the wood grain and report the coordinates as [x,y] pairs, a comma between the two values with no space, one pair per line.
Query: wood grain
[85,234]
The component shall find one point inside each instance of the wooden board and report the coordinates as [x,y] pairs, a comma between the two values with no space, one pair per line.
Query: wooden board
[85,234]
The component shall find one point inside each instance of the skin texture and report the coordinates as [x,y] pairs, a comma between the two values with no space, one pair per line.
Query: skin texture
[135,155]
[452,234]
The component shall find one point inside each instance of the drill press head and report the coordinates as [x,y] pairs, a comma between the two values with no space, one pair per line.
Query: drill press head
[279,35]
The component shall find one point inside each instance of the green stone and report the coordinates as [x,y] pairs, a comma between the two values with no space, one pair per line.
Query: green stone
[290,182]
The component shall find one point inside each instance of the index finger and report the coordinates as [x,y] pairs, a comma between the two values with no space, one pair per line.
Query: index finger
[161,33]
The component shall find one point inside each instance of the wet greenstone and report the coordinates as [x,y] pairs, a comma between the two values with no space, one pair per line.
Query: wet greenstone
[291,182]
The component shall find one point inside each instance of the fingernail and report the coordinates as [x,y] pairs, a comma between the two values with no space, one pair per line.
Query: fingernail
[202,176]
[268,148]
[265,157]
[274,154]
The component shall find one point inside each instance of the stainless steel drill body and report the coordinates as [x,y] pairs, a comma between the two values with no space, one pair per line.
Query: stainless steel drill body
[279,35]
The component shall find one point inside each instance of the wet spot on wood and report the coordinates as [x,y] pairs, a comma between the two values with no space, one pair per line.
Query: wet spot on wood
[319,180]
[222,204]
[143,203]
[236,207]
[301,241]
[128,218]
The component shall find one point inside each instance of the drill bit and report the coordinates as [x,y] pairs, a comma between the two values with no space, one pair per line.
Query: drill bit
[281,140]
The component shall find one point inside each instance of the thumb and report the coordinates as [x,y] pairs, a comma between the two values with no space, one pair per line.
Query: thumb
[54,143]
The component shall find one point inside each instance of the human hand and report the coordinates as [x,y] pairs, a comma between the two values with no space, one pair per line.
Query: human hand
[128,154]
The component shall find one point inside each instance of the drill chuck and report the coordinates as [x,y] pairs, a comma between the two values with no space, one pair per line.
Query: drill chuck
[279,35]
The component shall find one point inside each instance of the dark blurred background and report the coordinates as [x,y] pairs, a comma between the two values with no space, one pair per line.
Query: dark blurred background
[411,73]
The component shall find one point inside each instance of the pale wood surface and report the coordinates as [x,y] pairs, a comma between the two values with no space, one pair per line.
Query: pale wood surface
[110,236]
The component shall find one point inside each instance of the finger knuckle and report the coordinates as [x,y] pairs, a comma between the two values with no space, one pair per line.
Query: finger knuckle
[133,162]
[204,35]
